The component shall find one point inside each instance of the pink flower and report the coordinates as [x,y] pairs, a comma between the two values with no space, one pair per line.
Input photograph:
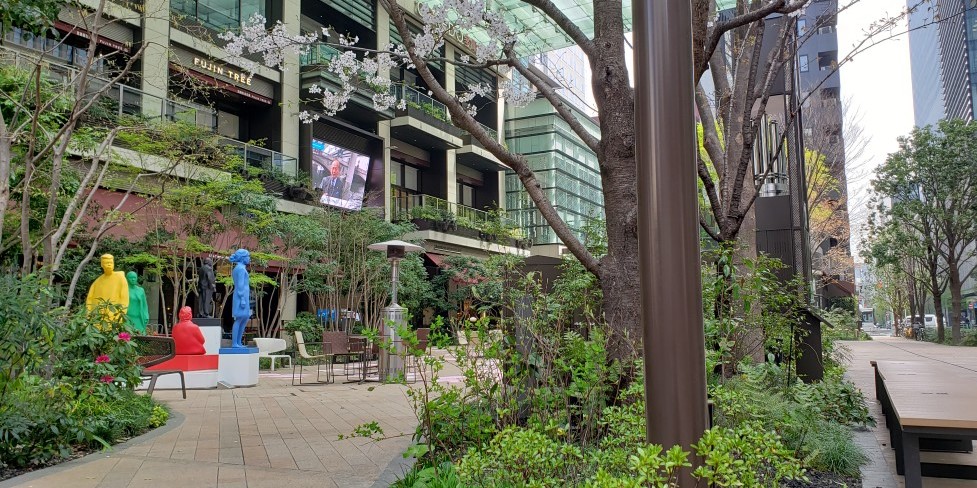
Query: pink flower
[124,336]
[107,378]
[102,359]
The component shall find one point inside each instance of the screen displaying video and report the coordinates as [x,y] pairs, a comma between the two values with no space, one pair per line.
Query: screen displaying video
[340,174]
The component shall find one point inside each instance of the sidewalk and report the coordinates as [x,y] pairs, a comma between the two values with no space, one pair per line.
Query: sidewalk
[273,435]
[881,470]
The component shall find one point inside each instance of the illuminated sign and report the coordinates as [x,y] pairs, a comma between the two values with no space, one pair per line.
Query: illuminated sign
[222,70]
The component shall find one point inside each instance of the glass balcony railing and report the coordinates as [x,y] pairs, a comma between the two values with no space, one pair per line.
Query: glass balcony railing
[422,102]
[121,100]
[210,17]
[433,208]
[318,55]
[259,157]
[494,134]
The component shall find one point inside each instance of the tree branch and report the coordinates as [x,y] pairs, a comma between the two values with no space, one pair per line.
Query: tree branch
[518,163]
[565,24]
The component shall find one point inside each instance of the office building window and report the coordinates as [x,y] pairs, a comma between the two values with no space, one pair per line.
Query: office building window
[219,14]
[404,176]
[466,195]
[803,62]
[827,60]
[801,26]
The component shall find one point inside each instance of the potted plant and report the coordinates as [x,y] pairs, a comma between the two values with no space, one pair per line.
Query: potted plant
[446,220]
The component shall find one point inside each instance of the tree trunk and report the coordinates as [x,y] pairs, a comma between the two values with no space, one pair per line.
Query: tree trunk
[935,290]
[955,301]
[5,158]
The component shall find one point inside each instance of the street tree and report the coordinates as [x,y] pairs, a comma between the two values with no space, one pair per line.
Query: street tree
[930,184]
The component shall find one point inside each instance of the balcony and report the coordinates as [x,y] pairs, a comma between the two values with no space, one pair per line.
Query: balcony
[430,213]
[313,65]
[119,101]
[424,122]
[475,156]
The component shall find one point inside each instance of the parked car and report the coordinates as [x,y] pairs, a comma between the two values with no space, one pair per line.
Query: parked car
[929,320]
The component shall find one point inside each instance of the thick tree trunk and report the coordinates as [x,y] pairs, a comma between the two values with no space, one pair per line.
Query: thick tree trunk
[955,301]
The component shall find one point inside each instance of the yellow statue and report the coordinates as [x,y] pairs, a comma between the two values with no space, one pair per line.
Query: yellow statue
[110,287]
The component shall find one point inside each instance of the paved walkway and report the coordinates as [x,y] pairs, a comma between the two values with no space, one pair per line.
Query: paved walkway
[273,435]
[881,470]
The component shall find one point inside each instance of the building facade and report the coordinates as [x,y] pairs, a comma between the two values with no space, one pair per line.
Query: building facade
[566,168]
[957,51]
[924,41]
[411,162]
[819,84]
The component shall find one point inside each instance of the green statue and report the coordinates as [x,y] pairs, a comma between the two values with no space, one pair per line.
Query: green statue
[138,311]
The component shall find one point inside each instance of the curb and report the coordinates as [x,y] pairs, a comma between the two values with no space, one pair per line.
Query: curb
[176,419]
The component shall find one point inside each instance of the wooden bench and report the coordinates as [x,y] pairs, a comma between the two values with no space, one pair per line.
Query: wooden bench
[932,401]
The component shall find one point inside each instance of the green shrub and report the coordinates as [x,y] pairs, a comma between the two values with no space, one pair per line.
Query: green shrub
[457,422]
[969,338]
[521,457]
[309,325]
[34,429]
[441,333]
[159,416]
[440,476]
[749,455]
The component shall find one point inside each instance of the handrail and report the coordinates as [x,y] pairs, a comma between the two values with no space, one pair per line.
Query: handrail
[133,101]
[413,96]
[317,54]
[403,205]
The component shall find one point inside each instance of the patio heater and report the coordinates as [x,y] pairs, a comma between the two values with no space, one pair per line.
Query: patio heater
[393,315]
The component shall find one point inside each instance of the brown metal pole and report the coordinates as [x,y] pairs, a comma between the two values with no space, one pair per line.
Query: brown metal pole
[671,292]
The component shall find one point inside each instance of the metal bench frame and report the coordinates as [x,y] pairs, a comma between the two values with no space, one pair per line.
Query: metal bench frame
[165,349]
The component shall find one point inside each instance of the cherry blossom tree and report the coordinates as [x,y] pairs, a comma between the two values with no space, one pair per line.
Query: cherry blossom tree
[727,47]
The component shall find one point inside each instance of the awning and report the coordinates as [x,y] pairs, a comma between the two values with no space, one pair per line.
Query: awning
[437,259]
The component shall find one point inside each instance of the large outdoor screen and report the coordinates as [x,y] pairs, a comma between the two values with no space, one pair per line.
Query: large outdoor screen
[340,174]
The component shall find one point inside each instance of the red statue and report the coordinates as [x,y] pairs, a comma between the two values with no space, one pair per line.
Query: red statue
[187,336]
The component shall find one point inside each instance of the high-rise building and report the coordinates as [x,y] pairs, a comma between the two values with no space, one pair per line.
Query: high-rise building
[566,168]
[957,20]
[924,44]
[819,84]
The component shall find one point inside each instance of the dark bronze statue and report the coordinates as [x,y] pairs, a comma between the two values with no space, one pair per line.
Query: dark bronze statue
[206,286]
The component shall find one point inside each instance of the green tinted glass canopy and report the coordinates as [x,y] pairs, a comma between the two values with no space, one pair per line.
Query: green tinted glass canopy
[537,33]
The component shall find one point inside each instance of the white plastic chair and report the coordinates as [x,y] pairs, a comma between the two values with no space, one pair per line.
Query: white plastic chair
[267,346]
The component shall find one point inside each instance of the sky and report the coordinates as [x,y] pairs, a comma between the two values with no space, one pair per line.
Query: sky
[876,88]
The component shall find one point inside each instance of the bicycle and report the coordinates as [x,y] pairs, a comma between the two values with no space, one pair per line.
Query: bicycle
[919,333]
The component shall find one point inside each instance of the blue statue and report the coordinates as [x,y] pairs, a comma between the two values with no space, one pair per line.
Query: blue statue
[241,302]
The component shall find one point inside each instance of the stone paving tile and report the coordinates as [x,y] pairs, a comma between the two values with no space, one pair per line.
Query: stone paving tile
[274,435]
[880,472]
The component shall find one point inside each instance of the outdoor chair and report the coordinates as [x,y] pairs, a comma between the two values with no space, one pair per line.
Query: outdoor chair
[267,346]
[357,353]
[154,350]
[413,354]
[337,343]
[302,353]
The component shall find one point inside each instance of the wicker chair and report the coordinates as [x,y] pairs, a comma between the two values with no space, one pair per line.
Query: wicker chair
[302,352]
[154,350]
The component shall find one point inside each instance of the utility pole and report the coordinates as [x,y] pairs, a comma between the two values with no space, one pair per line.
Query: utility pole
[668,219]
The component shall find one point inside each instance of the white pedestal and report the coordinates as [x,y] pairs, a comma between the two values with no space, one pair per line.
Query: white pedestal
[212,339]
[238,369]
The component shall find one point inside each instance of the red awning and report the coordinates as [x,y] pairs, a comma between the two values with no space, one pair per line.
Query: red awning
[437,259]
